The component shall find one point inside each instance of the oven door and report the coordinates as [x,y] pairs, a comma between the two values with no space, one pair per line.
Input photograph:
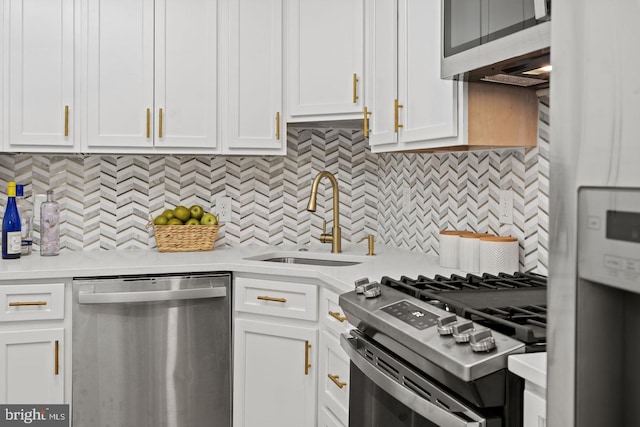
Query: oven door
[385,392]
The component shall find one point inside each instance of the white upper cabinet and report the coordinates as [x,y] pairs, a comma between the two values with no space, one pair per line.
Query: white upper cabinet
[255,122]
[37,105]
[152,76]
[411,107]
[186,73]
[325,57]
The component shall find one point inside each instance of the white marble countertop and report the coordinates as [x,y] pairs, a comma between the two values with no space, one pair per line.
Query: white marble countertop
[388,260]
[530,366]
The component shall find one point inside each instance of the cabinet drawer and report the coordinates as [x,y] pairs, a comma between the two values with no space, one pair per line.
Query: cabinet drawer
[277,298]
[334,377]
[31,302]
[331,315]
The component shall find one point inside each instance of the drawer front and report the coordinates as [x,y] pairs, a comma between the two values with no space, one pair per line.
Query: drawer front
[31,302]
[331,315]
[334,377]
[277,298]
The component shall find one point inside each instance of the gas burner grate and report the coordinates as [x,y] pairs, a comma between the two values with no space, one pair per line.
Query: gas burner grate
[514,304]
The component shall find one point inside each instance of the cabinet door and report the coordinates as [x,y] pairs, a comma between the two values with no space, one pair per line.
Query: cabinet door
[327,419]
[430,109]
[535,409]
[39,104]
[382,70]
[186,73]
[31,366]
[119,83]
[333,377]
[256,125]
[272,385]
[326,51]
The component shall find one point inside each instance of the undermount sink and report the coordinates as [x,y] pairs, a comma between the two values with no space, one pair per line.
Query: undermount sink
[307,259]
[311,261]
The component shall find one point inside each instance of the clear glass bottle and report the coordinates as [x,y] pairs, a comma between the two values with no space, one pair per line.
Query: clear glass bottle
[49,226]
[25,210]
[11,235]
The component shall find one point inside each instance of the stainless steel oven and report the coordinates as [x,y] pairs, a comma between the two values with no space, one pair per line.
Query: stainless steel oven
[433,351]
[392,393]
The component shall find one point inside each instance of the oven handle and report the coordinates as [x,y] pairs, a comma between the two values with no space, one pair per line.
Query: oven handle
[150,296]
[425,408]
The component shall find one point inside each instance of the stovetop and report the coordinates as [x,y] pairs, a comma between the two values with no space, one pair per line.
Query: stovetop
[513,304]
[404,318]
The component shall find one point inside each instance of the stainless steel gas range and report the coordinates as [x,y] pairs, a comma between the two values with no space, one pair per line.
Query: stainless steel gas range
[433,351]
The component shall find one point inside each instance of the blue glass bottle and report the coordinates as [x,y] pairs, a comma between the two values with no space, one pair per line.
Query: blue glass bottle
[11,228]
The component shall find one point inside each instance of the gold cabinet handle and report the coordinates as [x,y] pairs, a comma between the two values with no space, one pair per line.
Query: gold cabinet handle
[56,357]
[307,365]
[278,125]
[274,299]
[25,303]
[365,122]
[66,120]
[396,107]
[148,123]
[160,123]
[336,381]
[355,88]
[337,316]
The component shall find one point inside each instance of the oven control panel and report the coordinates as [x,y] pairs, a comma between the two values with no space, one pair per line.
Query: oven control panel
[609,236]
[412,315]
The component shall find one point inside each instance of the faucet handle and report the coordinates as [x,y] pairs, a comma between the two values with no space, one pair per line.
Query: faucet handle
[324,226]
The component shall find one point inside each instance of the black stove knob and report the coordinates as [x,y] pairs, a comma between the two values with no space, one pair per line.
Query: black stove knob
[445,324]
[482,340]
[462,330]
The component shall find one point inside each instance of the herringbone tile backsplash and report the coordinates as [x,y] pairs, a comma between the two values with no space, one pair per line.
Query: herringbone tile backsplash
[403,199]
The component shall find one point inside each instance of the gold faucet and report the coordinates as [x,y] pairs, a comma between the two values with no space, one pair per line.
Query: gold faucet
[336,233]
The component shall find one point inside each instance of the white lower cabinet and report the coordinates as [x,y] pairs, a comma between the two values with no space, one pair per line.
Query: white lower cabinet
[275,368]
[327,419]
[333,381]
[535,406]
[33,356]
[275,352]
[31,368]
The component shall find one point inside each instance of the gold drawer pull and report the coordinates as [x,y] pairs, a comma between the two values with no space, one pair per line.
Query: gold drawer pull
[307,365]
[274,299]
[337,316]
[25,303]
[56,367]
[336,380]
[160,124]
[278,125]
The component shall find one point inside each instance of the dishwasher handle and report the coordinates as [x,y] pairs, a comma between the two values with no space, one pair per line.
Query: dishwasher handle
[150,296]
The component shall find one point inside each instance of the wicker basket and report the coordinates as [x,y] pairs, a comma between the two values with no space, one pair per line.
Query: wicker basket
[184,238]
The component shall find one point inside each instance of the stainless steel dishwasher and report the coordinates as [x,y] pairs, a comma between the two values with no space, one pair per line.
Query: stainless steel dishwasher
[152,351]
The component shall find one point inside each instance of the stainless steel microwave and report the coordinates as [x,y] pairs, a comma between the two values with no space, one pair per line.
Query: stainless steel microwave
[507,41]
